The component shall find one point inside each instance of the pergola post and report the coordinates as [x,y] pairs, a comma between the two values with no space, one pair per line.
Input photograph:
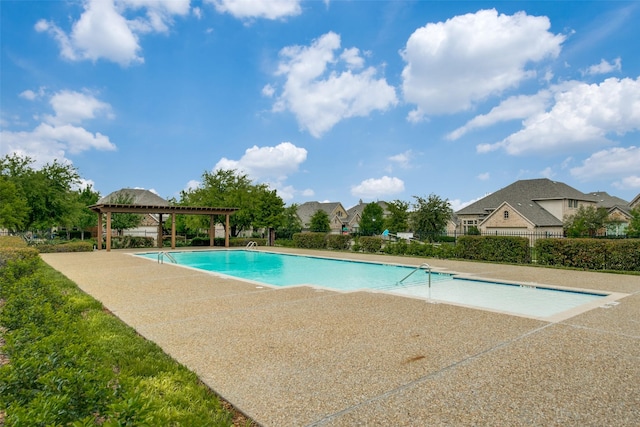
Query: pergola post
[212,230]
[159,231]
[226,231]
[99,231]
[108,231]
[173,230]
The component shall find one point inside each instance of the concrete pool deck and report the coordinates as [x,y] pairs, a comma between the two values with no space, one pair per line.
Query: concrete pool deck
[302,356]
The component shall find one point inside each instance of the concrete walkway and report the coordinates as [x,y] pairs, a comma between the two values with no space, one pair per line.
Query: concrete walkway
[302,356]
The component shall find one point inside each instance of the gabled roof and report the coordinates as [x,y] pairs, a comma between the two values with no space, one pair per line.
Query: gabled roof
[357,209]
[499,209]
[635,202]
[308,209]
[138,197]
[523,195]
[611,202]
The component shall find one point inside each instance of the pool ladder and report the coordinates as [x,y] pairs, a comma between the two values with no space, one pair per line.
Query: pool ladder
[423,266]
[161,256]
[251,245]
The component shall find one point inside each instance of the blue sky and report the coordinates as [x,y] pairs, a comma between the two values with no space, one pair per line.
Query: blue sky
[327,100]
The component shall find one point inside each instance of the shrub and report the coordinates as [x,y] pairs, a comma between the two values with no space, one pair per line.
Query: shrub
[73,364]
[309,240]
[590,254]
[338,241]
[80,246]
[370,243]
[8,254]
[128,242]
[495,248]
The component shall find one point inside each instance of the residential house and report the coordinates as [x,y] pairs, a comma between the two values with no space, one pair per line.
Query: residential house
[526,206]
[338,216]
[635,203]
[355,214]
[619,213]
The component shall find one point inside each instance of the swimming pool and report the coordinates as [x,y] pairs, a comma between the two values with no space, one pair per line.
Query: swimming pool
[283,270]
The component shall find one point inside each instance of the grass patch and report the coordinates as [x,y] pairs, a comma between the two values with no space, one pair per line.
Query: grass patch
[67,361]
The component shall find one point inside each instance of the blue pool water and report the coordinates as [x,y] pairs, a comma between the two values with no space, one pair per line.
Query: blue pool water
[289,270]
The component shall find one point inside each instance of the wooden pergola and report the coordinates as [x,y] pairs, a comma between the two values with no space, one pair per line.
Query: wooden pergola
[109,208]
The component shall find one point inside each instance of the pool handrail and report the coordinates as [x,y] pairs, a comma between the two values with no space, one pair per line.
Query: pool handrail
[420,267]
[161,255]
[251,245]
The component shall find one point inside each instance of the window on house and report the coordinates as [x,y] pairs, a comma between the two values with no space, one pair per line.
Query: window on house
[505,214]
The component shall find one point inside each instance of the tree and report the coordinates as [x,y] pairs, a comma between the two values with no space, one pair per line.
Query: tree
[14,210]
[48,191]
[430,216]
[258,206]
[398,218]
[633,230]
[372,221]
[268,209]
[291,223]
[86,218]
[320,222]
[124,221]
[585,222]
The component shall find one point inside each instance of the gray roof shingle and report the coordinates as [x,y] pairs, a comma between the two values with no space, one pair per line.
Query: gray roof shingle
[523,196]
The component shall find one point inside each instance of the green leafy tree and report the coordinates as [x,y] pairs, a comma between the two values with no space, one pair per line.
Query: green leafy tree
[430,215]
[398,218]
[268,209]
[48,191]
[633,230]
[124,221]
[291,223]
[14,210]
[586,222]
[258,206]
[372,221]
[320,222]
[86,218]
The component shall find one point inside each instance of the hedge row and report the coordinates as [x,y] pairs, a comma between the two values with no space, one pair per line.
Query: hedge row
[73,364]
[427,250]
[590,254]
[310,240]
[509,249]
[80,246]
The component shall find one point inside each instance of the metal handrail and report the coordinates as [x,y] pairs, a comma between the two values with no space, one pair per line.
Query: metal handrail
[251,245]
[420,267]
[161,257]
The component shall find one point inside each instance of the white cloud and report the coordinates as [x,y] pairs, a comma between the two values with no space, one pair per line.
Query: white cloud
[28,94]
[248,9]
[75,107]
[104,32]
[515,107]
[60,133]
[403,159]
[632,181]
[614,162]
[267,163]
[458,204]
[484,176]
[604,67]
[373,188]
[268,91]
[583,116]
[453,65]
[320,93]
